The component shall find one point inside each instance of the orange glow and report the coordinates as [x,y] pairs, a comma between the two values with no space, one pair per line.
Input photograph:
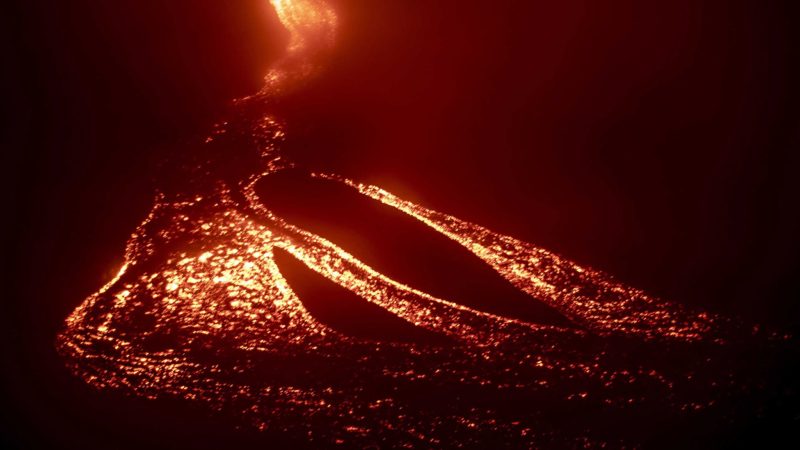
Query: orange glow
[306,20]
[200,305]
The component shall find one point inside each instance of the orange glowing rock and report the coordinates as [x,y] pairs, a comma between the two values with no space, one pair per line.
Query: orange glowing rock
[202,311]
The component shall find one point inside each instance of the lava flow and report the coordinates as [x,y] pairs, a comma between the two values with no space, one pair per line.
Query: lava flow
[202,311]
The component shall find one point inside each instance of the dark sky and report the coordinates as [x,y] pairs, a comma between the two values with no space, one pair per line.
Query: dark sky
[657,142]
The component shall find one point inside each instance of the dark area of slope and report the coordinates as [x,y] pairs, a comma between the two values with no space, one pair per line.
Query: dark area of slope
[398,245]
[345,311]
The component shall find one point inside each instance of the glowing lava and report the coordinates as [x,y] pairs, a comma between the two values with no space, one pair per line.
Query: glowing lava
[201,311]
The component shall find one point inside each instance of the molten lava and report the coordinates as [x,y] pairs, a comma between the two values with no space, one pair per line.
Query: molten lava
[201,311]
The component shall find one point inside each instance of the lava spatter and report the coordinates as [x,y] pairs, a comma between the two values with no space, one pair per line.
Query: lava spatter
[202,311]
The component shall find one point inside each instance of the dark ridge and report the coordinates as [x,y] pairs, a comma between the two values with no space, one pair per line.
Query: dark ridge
[343,310]
[398,245]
